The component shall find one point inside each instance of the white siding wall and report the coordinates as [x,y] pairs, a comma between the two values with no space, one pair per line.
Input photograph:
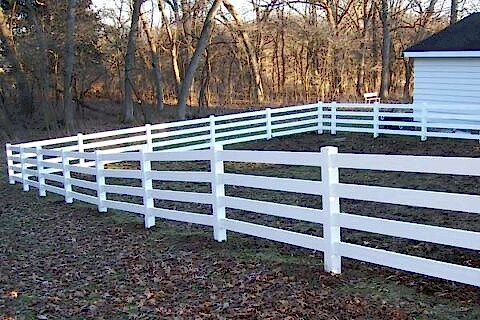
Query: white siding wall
[447,81]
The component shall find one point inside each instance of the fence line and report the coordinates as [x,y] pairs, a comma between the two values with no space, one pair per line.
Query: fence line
[55,165]
[403,119]
[417,120]
[330,189]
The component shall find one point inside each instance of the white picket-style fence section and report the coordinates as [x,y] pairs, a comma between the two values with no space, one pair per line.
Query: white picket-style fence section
[53,166]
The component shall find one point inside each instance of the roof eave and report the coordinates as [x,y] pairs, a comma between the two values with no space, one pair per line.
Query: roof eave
[442,54]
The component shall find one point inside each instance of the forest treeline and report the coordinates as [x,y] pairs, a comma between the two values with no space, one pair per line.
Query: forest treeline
[57,56]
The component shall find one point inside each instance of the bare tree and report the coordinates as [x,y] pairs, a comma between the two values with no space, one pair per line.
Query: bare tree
[24,93]
[44,74]
[157,75]
[362,24]
[197,54]
[130,62]
[250,50]
[173,49]
[68,72]
[203,100]
[386,49]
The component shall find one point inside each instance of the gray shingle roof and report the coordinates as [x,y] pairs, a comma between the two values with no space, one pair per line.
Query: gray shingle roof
[461,36]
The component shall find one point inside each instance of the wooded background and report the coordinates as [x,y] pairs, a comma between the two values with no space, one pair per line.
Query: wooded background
[59,58]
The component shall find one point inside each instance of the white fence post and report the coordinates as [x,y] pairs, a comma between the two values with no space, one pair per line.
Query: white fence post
[81,147]
[320,118]
[376,119]
[268,116]
[424,122]
[101,194]
[23,165]
[212,130]
[218,192]
[148,135]
[147,185]
[40,172]
[331,206]
[333,118]
[11,172]
[67,184]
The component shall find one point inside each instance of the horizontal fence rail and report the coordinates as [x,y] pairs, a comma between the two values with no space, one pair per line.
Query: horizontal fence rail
[95,168]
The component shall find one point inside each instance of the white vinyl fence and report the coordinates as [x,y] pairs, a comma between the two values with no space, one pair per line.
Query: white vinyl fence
[461,122]
[77,168]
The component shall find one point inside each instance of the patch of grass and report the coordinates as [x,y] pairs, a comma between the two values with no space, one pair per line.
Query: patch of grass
[422,306]
[21,304]
[182,234]
[117,217]
[271,255]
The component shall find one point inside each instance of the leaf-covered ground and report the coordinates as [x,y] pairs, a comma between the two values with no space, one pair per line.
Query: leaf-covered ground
[61,261]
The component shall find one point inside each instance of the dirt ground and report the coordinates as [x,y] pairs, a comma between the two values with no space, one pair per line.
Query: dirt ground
[62,261]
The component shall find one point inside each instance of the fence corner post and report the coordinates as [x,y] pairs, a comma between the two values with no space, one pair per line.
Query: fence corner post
[268,117]
[81,148]
[23,165]
[376,119]
[148,136]
[67,184]
[333,118]
[40,171]
[424,122]
[147,184]
[331,207]
[218,194]
[11,171]
[100,177]
[320,117]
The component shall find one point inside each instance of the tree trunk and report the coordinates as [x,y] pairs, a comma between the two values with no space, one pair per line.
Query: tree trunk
[173,47]
[44,68]
[408,78]
[187,46]
[157,75]
[250,49]
[361,71]
[367,16]
[192,66]
[375,44]
[386,50]
[282,55]
[130,62]
[203,92]
[69,56]
[24,94]
[454,11]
